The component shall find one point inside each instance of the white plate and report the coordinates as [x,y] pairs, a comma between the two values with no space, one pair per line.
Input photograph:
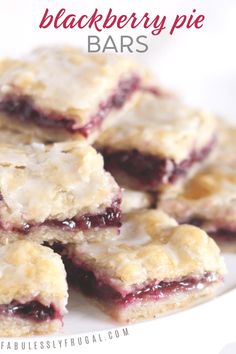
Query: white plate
[204,328]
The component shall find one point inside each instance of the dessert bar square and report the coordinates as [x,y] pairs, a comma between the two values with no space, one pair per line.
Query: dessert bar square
[156,142]
[33,289]
[207,199]
[55,192]
[60,93]
[153,267]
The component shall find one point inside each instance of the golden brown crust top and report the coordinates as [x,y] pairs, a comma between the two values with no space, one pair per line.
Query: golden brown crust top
[39,182]
[29,271]
[151,247]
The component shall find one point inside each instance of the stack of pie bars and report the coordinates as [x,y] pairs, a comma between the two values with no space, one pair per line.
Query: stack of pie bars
[110,184]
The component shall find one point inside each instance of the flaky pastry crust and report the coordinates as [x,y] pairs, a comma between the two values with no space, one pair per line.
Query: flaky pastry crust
[29,271]
[63,81]
[147,310]
[12,136]
[56,182]
[208,197]
[159,126]
[151,246]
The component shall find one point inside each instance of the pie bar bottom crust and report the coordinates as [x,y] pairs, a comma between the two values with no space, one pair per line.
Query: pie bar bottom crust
[16,327]
[141,311]
[45,234]
[9,135]
[154,266]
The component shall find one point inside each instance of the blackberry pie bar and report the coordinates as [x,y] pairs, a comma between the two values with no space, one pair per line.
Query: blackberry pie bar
[58,192]
[62,93]
[208,199]
[33,289]
[155,142]
[153,267]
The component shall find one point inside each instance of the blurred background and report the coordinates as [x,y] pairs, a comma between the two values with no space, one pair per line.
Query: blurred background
[199,64]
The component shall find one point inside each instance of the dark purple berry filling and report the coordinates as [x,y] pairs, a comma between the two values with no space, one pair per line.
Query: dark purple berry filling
[23,108]
[150,170]
[218,233]
[196,221]
[111,217]
[33,311]
[79,276]
[223,235]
